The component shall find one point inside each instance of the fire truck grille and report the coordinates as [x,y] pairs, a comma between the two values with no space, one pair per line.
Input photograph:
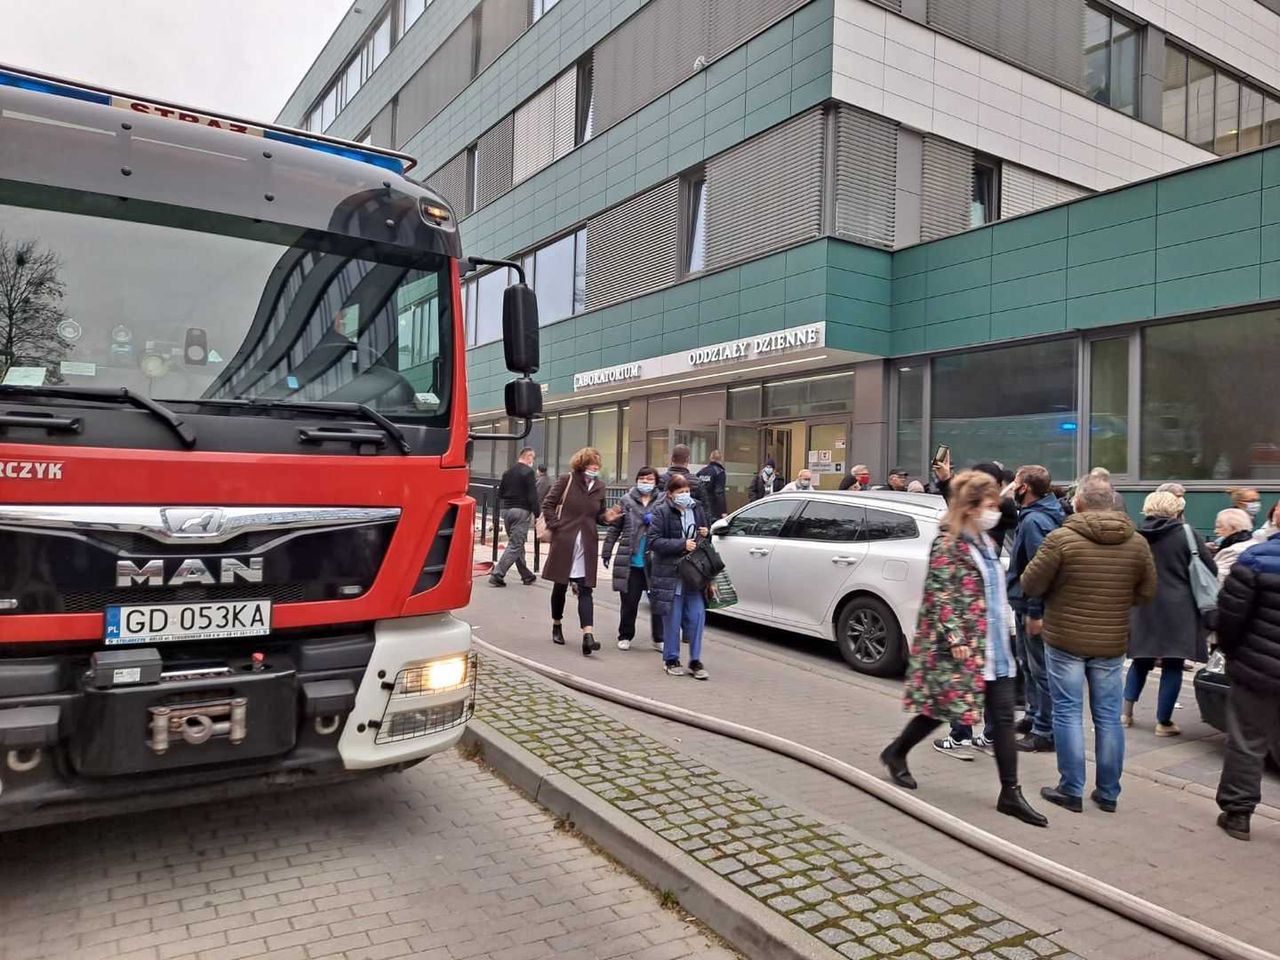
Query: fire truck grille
[96,600]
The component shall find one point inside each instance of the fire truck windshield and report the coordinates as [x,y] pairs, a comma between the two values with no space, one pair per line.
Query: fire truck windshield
[177,306]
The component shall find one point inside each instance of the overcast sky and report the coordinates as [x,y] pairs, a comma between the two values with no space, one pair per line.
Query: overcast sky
[242,57]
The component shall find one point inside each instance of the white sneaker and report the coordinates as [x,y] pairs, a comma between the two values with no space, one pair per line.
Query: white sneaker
[624,644]
[674,669]
[984,745]
[657,645]
[959,749]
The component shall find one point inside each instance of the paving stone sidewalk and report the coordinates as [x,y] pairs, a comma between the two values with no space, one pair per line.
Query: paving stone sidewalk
[842,891]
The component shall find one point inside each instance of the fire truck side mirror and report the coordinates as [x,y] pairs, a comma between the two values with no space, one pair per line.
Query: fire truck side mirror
[520,329]
[524,399]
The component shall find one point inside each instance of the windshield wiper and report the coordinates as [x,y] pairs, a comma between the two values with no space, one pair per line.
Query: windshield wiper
[110,394]
[361,410]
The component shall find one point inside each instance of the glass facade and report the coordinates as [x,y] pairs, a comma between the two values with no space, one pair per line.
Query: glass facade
[1110,60]
[1213,108]
[910,432]
[1013,404]
[1109,405]
[1207,402]
[832,393]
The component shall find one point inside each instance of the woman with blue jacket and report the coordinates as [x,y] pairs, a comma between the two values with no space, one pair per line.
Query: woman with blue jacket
[678,522]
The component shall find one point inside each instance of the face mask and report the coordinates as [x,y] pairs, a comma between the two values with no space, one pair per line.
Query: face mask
[987,519]
[802,484]
[768,471]
[683,499]
[592,474]
[1253,508]
[645,487]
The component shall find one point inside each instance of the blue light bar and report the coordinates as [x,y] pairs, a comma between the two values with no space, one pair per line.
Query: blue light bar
[8,79]
[351,153]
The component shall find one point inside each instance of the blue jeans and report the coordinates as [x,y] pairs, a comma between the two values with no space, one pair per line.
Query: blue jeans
[688,612]
[1170,684]
[1068,675]
[1036,682]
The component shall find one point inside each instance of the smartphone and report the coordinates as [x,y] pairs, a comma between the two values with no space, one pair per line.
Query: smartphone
[942,454]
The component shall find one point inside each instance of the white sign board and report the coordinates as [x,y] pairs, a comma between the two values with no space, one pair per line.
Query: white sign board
[727,355]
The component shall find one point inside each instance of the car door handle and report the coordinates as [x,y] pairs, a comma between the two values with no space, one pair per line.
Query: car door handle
[844,561]
[758,552]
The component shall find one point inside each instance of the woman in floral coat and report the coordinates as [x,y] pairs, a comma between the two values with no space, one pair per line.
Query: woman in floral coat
[961,658]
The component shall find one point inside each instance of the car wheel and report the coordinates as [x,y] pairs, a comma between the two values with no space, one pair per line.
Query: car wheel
[869,637]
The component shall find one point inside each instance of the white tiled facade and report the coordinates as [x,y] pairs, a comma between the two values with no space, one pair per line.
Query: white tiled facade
[1241,33]
[890,65]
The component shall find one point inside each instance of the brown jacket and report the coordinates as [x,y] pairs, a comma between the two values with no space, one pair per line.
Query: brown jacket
[1091,571]
[571,509]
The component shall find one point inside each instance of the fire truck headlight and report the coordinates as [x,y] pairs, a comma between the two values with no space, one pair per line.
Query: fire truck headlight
[433,676]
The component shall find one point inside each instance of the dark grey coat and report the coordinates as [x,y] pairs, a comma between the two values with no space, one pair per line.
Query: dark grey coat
[1169,626]
[625,532]
[666,547]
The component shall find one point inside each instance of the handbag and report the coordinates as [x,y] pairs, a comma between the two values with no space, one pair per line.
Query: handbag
[700,566]
[721,592]
[1204,585]
[540,528]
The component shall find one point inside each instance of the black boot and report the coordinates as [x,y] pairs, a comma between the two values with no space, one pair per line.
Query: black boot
[897,767]
[557,634]
[1013,803]
[1235,825]
[589,643]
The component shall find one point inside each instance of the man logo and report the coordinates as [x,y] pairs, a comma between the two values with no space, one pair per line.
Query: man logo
[190,572]
[192,521]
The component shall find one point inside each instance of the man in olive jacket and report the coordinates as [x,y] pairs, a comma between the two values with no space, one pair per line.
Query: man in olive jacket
[1090,571]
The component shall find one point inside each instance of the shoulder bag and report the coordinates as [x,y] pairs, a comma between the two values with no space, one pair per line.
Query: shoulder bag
[540,527]
[1204,585]
[700,566]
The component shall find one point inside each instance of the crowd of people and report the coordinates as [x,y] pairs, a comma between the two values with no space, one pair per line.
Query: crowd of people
[1085,587]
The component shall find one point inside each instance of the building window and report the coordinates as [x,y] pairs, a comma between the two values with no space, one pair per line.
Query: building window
[984,206]
[695,231]
[1109,404]
[540,8]
[1197,377]
[910,452]
[573,436]
[556,278]
[1110,59]
[410,11]
[482,305]
[1214,109]
[348,83]
[585,122]
[473,178]
[832,393]
[604,437]
[1014,404]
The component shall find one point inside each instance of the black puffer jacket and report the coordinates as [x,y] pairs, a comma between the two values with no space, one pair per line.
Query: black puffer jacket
[626,532]
[1249,618]
[1170,626]
[666,547]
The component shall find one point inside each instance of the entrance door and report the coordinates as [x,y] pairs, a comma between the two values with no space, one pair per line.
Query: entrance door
[784,444]
[700,441]
[826,454]
[740,445]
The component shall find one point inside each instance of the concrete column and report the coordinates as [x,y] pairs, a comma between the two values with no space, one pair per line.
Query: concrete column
[1151,80]
[870,441]
[909,189]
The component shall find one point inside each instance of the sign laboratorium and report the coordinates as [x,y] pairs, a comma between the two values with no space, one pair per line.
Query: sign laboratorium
[731,353]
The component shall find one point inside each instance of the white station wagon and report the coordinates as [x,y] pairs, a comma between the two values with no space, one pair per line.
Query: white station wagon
[848,567]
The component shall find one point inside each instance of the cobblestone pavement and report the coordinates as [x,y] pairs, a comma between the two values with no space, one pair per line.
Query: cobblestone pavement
[1162,844]
[848,894]
[442,862]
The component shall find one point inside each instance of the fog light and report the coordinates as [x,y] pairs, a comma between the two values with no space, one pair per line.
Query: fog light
[433,676]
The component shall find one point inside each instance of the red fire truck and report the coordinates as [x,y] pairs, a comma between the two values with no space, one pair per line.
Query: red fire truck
[234,520]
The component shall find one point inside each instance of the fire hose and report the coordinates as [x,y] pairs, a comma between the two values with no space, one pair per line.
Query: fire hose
[1152,916]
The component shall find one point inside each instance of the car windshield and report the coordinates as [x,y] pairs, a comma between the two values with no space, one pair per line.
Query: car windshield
[179,309]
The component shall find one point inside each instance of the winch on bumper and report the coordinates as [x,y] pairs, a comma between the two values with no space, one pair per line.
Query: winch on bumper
[90,729]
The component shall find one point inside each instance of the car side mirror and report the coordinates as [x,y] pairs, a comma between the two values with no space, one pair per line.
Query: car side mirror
[520,329]
[720,528]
